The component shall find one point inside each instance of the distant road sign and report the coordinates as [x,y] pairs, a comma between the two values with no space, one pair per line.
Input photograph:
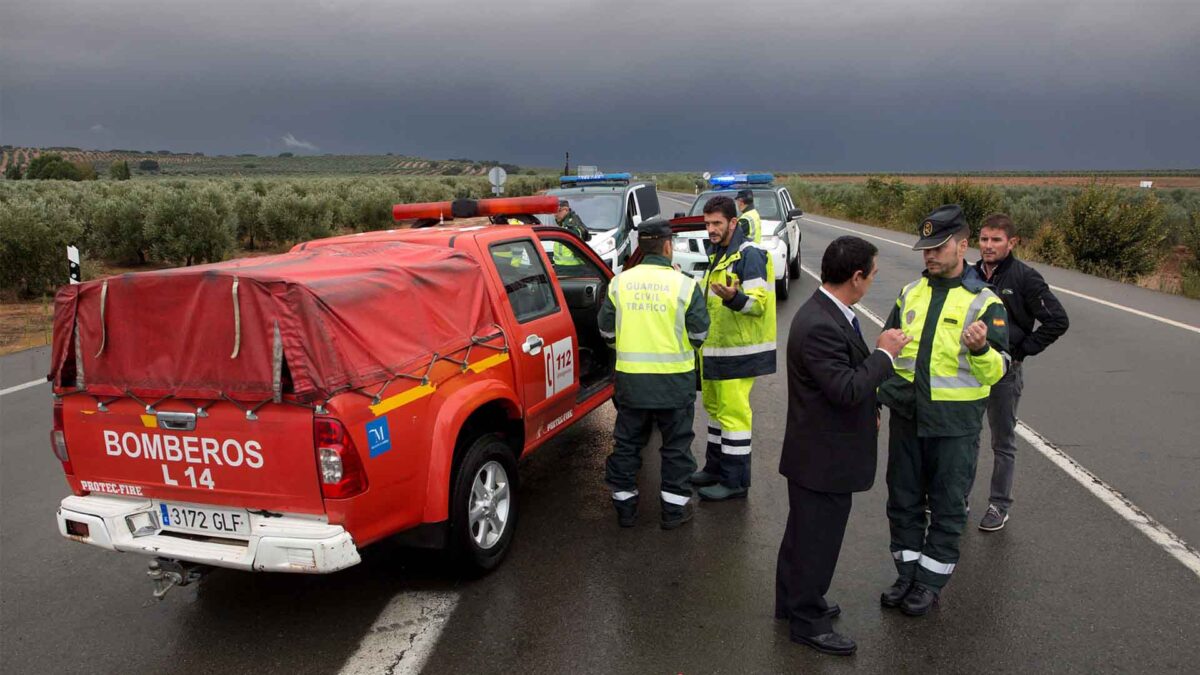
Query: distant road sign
[1147,183]
[706,175]
[497,176]
[585,170]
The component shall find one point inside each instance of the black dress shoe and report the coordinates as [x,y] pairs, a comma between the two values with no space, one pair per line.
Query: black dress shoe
[827,643]
[919,600]
[895,593]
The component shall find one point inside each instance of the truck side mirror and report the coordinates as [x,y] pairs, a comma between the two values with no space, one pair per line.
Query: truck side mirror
[794,213]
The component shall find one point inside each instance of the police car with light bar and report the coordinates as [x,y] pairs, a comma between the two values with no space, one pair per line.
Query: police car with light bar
[780,226]
[611,206]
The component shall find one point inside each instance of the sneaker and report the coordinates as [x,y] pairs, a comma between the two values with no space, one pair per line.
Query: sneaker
[994,519]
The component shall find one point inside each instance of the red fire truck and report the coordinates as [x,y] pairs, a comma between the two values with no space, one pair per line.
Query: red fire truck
[280,413]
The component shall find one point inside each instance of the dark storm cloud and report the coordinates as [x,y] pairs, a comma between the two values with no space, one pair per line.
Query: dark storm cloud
[652,85]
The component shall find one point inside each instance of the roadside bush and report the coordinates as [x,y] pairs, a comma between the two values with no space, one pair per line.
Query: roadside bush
[34,235]
[247,213]
[1111,236]
[190,226]
[54,167]
[1049,245]
[117,229]
[148,165]
[288,217]
[13,172]
[369,208]
[977,201]
[119,171]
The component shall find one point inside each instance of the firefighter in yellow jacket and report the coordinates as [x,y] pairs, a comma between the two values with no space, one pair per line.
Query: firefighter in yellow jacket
[937,396]
[740,289]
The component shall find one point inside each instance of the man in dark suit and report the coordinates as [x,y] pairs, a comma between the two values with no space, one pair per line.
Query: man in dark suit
[829,447]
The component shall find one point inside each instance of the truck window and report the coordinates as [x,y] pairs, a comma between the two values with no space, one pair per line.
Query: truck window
[525,279]
[569,262]
[647,199]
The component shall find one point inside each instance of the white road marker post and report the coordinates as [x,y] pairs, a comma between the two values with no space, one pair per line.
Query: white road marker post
[73,265]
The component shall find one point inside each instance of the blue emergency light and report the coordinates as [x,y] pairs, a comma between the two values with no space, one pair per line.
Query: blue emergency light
[742,179]
[621,178]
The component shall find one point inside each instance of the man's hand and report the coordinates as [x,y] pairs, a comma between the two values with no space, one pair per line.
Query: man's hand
[892,341]
[725,292]
[975,336]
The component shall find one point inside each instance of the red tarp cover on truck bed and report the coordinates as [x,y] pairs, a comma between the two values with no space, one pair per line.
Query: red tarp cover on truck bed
[348,315]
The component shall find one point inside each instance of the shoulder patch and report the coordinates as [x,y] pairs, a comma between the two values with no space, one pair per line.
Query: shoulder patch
[998,322]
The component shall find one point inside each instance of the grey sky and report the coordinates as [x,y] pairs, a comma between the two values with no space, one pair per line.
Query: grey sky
[852,85]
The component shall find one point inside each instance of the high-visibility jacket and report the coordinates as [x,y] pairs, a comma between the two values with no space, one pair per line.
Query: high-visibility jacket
[753,225]
[939,382]
[655,318]
[741,340]
[563,255]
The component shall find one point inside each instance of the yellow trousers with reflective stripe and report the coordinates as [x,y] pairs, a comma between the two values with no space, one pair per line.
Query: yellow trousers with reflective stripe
[727,403]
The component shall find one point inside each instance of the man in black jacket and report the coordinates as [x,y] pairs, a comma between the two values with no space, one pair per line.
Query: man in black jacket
[1026,297]
[829,447]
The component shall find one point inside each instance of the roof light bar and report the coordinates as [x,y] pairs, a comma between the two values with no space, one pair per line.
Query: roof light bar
[471,208]
[598,178]
[742,179]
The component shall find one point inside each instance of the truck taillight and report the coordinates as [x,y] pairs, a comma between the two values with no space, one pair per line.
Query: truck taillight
[342,473]
[58,440]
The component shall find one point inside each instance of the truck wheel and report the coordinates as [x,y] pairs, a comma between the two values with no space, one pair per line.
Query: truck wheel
[483,510]
[794,266]
[783,288]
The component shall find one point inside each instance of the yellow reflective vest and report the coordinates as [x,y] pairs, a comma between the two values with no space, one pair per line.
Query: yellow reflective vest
[741,340]
[651,303]
[938,382]
[753,225]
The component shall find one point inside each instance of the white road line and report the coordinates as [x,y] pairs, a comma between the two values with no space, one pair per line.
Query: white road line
[403,635]
[1144,522]
[1060,289]
[21,387]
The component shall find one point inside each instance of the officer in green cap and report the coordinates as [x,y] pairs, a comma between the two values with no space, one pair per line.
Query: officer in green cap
[937,397]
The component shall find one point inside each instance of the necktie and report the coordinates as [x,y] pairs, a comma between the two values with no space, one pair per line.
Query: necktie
[857,326]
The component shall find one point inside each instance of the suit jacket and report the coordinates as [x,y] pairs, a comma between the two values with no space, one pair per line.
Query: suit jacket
[831,440]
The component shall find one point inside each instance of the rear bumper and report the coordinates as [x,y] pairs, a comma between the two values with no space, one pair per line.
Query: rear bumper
[284,543]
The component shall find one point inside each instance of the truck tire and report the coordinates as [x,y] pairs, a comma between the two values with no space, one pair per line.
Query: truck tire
[483,507]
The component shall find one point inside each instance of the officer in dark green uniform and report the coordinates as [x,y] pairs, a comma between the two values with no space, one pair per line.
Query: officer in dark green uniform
[655,317]
[569,220]
[937,396]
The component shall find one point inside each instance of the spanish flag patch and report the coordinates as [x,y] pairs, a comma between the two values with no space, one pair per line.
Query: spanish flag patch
[997,322]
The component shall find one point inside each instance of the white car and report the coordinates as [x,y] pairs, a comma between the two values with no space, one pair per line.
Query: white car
[611,207]
[780,226]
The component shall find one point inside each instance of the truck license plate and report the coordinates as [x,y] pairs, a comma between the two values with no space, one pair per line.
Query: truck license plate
[203,520]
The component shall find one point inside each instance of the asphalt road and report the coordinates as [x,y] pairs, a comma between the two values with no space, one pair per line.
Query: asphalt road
[1068,586]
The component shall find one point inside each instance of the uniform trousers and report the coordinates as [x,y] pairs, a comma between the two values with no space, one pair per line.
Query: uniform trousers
[630,435]
[727,455]
[940,468]
[808,555]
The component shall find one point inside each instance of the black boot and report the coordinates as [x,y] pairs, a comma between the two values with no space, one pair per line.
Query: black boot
[626,511]
[919,600]
[895,594]
[674,516]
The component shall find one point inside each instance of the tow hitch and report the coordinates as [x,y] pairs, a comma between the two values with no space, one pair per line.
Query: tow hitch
[167,574]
